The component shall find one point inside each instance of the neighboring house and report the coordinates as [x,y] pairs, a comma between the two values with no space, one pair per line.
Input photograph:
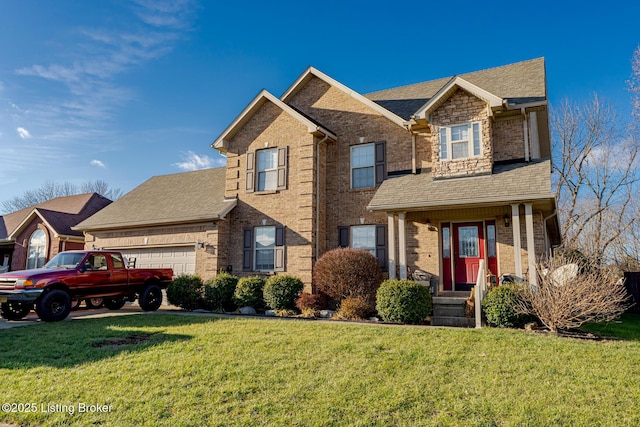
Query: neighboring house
[32,236]
[433,176]
[175,221]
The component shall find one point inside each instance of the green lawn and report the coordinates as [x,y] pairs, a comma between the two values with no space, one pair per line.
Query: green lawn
[159,369]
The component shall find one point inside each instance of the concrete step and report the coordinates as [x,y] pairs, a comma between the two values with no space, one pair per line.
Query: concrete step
[458,322]
[449,310]
[449,300]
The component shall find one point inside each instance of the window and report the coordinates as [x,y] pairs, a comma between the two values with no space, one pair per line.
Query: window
[446,243]
[37,249]
[491,240]
[263,249]
[267,169]
[364,237]
[468,242]
[459,141]
[118,263]
[372,238]
[368,165]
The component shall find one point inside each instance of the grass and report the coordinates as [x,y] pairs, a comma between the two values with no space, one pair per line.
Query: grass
[173,370]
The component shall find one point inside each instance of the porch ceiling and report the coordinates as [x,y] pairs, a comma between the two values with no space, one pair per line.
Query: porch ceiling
[514,183]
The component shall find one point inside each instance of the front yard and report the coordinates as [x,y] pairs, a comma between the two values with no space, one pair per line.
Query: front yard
[160,369]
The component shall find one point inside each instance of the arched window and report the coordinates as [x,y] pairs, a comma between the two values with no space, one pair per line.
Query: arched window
[37,249]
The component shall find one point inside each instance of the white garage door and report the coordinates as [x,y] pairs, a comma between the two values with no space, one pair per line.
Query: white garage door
[182,260]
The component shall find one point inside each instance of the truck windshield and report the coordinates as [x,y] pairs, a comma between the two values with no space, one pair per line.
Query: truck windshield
[65,260]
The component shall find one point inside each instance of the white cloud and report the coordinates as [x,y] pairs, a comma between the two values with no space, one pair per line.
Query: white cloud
[23,133]
[98,163]
[192,161]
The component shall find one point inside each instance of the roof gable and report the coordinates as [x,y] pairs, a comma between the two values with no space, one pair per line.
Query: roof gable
[222,142]
[313,72]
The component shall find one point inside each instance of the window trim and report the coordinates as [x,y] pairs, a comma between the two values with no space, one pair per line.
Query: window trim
[372,165]
[379,164]
[43,247]
[473,150]
[272,151]
[271,248]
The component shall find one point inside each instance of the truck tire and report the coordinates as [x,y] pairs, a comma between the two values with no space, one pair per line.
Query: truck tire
[14,310]
[150,298]
[114,303]
[53,306]
[94,302]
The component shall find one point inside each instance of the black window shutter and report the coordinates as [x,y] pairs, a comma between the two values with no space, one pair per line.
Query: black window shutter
[343,237]
[381,162]
[247,249]
[279,249]
[251,171]
[282,168]
[381,246]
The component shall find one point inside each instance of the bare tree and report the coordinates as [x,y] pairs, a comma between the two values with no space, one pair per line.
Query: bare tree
[50,190]
[634,85]
[596,176]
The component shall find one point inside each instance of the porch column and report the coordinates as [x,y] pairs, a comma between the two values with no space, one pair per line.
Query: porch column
[515,223]
[402,247]
[531,249]
[391,237]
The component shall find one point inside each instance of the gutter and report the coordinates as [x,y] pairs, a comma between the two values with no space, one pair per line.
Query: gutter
[447,203]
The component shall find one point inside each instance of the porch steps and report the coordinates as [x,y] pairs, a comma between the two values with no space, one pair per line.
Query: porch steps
[448,310]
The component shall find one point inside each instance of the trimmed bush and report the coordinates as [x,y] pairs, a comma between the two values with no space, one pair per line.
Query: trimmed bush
[347,273]
[281,291]
[249,292]
[500,307]
[186,292]
[403,301]
[218,292]
[354,308]
[308,301]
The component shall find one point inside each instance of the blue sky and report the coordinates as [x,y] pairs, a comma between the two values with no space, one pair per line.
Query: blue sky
[124,90]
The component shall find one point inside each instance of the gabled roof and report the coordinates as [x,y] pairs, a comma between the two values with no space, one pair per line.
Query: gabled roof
[221,143]
[312,72]
[60,214]
[167,199]
[517,84]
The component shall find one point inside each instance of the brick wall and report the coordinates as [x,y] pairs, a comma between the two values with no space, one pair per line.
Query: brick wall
[21,247]
[508,138]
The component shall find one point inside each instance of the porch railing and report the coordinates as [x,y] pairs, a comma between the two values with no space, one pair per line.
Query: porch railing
[480,292]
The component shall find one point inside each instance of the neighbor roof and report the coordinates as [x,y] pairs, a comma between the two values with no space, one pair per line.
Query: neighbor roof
[508,183]
[61,214]
[519,83]
[167,199]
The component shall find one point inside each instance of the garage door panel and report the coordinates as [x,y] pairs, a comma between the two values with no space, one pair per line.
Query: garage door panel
[181,260]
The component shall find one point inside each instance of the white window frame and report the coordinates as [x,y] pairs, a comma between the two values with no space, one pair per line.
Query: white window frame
[272,248]
[372,230]
[473,150]
[39,250]
[372,166]
[273,170]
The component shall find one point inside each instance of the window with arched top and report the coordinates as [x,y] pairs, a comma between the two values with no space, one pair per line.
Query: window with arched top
[37,249]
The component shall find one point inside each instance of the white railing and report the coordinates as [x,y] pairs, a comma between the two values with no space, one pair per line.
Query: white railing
[480,292]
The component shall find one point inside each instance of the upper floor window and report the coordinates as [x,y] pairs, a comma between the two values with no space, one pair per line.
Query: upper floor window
[37,249]
[368,165]
[460,141]
[267,169]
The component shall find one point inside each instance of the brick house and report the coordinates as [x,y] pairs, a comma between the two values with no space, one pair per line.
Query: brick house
[434,176]
[31,236]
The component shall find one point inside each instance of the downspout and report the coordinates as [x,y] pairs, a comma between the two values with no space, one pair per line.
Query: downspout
[525,130]
[326,137]
[408,126]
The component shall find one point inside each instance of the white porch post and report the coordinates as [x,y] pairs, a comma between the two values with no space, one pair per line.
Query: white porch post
[531,249]
[391,236]
[515,223]
[402,247]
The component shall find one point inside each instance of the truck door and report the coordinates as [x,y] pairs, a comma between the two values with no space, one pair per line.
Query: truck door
[119,274]
[95,276]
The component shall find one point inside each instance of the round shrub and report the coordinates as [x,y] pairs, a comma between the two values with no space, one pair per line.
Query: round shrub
[218,292]
[500,307]
[347,273]
[249,292]
[281,291]
[186,291]
[403,301]
[354,308]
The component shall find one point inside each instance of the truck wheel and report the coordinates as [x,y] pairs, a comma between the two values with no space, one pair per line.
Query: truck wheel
[14,310]
[94,302]
[150,298]
[54,306]
[114,303]
[75,303]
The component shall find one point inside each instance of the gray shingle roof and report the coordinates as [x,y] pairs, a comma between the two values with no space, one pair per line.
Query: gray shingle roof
[166,199]
[507,183]
[518,83]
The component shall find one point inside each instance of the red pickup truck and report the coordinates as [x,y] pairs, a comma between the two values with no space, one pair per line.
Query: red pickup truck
[76,275]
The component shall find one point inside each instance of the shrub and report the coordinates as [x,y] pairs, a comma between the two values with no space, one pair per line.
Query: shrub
[354,308]
[500,307]
[281,291]
[218,292]
[311,301]
[403,301]
[186,291]
[347,273]
[249,292]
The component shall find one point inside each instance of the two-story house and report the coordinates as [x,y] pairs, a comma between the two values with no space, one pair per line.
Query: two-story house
[434,176]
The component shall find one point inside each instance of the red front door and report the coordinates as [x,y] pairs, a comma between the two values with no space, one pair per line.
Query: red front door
[468,250]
